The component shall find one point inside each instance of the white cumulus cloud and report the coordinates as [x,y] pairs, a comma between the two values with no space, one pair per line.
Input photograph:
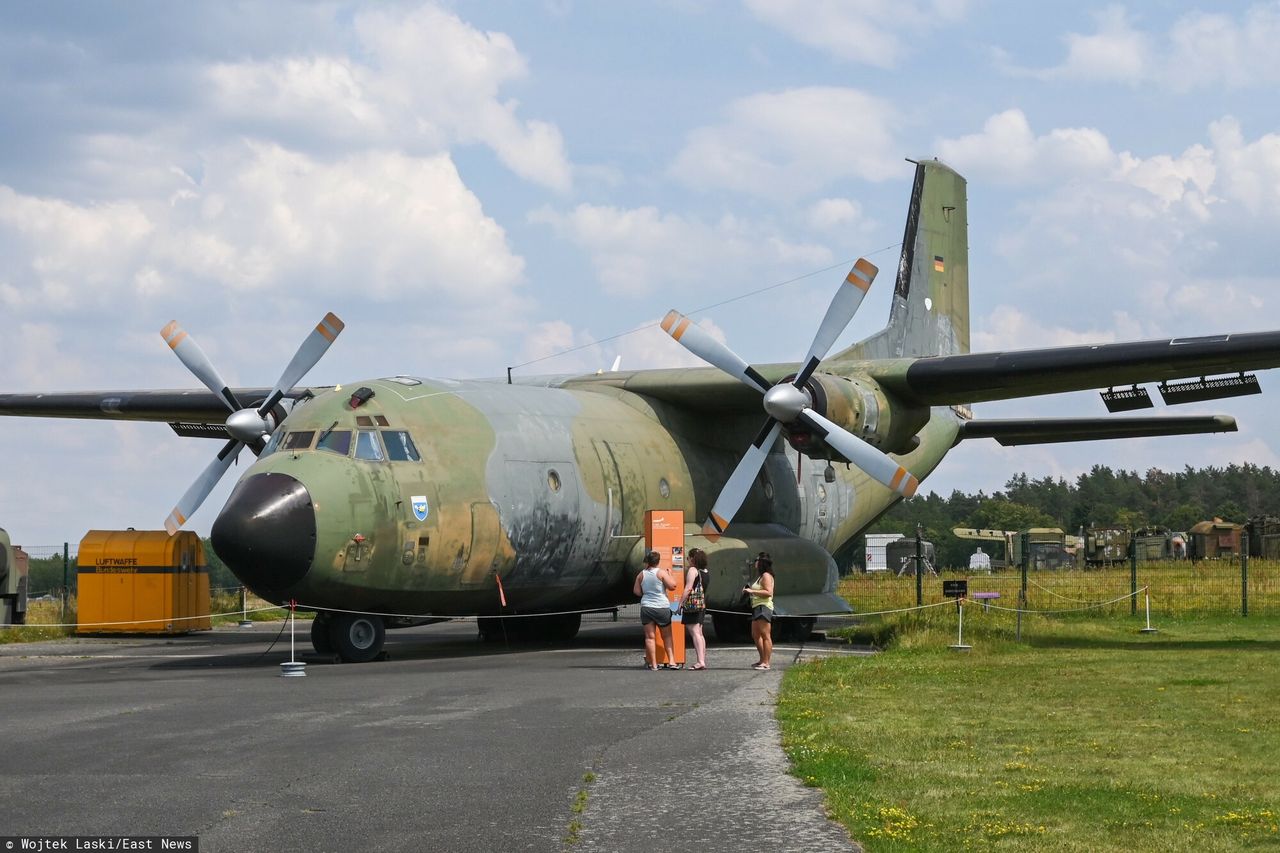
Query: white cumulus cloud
[788,143]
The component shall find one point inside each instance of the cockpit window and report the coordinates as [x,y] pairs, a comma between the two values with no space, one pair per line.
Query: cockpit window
[335,441]
[368,446]
[298,440]
[400,446]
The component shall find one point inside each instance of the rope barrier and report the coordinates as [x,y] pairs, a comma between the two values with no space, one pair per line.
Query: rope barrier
[1057,595]
[1094,606]
[477,617]
[172,619]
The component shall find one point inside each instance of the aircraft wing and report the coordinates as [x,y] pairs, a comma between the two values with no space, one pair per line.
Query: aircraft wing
[188,412]
[702,388]
[1057,430]
[979,377]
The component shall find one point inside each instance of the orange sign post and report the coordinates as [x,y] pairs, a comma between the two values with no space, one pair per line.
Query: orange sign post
[664,533]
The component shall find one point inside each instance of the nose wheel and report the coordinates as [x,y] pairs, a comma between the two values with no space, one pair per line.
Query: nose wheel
[320,638]
[353,637]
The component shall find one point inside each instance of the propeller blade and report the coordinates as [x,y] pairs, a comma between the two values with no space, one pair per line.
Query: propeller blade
[186,348]
[316,345]
[735,490]
[876,464]
[841,310]
[203,485]
[696,340]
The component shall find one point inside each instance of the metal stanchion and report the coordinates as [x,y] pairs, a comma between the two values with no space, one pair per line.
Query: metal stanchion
[244,607]
[959,645]
[1148,629]
[292,668]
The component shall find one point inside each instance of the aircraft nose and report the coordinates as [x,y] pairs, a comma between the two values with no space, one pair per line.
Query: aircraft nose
[266,533]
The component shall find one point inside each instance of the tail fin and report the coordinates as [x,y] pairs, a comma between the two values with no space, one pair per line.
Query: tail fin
[930,313]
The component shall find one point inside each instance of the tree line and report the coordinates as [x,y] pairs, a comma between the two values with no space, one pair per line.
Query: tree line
[1102,497]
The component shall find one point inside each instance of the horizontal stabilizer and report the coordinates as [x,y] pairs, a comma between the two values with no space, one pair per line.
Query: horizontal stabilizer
[1058,430]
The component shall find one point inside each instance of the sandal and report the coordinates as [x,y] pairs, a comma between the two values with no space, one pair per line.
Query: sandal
[761,666]
[698,666]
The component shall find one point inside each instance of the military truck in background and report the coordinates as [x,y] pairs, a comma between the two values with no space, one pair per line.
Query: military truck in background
[1264,537]
[1106,546]
[13,582]
[1047,547]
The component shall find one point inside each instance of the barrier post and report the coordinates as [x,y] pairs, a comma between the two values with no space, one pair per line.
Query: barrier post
[66,582]
[1148,629]
[244,608]
[292,668]
[919,568]
[1024,559]
[1133,576]
[1244,574]
[959,645]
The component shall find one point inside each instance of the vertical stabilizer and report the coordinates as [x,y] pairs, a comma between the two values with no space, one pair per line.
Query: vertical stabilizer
[930,312]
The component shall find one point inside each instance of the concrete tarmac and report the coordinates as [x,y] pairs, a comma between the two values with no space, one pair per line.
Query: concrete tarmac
[449,745]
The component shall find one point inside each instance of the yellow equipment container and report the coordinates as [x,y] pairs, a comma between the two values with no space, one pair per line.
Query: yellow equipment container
[142,582]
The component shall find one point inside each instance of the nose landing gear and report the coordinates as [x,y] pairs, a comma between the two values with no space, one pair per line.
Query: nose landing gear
[353,637]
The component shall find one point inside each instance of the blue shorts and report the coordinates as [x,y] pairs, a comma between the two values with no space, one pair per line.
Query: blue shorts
[761,611]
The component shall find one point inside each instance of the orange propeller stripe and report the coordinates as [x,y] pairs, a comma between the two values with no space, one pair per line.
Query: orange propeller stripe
[173,334]
[720,523]
[897,478]
[912,485]
[670,320]
[862,274]
[679,330]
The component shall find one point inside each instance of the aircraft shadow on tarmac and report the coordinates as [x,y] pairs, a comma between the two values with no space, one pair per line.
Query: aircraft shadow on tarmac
[448,640]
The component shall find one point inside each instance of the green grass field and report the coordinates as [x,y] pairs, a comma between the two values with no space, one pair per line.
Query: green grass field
[1087,736]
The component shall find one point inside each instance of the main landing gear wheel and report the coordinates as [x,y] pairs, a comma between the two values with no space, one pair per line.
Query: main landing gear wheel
[793,629]
[556,628]
[321,638]
[357,637]
[732,627]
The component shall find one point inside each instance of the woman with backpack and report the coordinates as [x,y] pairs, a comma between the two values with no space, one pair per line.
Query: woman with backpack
[695,603]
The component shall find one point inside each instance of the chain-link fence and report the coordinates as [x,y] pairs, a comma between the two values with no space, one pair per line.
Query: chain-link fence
[1235,586]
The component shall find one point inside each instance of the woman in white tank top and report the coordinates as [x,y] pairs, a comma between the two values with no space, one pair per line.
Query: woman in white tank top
[655,609]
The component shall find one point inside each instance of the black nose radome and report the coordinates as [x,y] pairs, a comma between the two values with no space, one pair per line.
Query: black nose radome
[266,533]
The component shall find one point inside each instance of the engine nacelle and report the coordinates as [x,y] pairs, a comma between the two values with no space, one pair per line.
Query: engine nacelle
[864,409]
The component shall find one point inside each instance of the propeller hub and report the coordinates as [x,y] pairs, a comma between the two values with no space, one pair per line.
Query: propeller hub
[785,402]
[247,425]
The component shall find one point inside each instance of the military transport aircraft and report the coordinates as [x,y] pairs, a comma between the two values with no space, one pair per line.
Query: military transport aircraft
[388,502]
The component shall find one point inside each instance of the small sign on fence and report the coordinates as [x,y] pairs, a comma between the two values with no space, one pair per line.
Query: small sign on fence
[955,589]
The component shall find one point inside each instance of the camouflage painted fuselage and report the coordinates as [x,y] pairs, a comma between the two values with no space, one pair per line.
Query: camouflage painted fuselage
[546,488]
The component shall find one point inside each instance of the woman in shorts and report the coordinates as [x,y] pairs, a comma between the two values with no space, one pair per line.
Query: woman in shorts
[655,609]
[695,582]
[761,592]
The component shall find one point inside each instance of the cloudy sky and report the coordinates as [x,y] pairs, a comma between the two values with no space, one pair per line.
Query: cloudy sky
[473,186]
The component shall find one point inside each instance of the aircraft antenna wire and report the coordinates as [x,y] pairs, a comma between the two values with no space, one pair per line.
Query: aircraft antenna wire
[739,297]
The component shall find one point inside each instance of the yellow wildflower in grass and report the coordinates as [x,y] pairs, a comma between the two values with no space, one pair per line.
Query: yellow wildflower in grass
[892,822]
